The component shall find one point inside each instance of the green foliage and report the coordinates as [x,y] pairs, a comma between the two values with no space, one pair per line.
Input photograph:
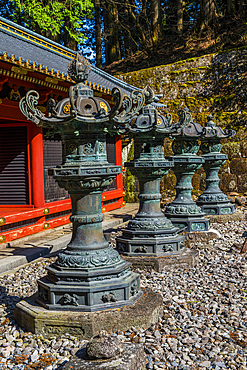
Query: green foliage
[55,17]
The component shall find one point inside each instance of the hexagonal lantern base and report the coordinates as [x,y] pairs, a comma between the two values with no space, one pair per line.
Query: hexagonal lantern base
[190,223]
[183,211]
[89,289]
[210,208]
[150,243]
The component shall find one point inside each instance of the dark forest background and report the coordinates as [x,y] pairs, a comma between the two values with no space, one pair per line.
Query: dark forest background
[125,35]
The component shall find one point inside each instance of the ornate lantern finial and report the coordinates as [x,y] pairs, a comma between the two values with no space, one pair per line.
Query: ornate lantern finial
[210,122]
[79,68]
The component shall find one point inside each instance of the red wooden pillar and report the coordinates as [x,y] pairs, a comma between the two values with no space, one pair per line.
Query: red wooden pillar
[37,168]
[118,156]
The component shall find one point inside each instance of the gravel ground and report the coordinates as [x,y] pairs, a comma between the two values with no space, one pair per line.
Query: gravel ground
[204,322]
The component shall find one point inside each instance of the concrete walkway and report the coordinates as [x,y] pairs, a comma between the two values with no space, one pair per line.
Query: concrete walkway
[24,250]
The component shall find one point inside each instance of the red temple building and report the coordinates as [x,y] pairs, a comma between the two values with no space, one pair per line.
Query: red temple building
[30,200]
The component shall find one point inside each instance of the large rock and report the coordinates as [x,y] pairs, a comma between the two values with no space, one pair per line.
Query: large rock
[232,149]
[240,201]
[104,346]
[132,358]
[238,166]
[242,183]
[228,182]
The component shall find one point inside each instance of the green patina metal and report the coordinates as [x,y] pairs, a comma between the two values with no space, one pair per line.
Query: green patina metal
[150,233]
[213,201]
[88,275]
[183,211]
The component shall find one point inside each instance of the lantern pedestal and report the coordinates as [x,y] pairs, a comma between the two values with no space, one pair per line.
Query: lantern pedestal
[150,233]
[213,201]
[89,275]
[183,212]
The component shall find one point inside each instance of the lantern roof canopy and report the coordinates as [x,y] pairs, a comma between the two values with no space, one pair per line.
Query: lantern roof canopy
[215,132]
[193,129]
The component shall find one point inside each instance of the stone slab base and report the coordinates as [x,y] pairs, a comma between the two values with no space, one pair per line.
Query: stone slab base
[132,358]
[186,259]
[237,216]
[203,236]
[85,325]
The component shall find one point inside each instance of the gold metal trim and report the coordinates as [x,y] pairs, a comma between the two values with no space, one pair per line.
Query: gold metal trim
[159,121]
[46,226]
[19,70]
[2,238]
[32,79]
[34,39]
[46,211]
[104,197]
[66,108]
[52,80]
[103,209]
[2,221]
[40,107]
[103,106]
[124,193]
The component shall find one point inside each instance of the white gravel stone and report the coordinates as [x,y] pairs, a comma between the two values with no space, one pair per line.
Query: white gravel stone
[204,325]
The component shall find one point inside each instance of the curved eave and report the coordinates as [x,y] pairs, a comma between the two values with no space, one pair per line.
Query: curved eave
[27,49]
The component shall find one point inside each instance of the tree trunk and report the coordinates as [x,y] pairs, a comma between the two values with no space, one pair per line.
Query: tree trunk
[69,42]
[115,53]
[98,33]
[129,45]
[180,11]
[229,7]
[111,28]
[232,6]
[207,13]
[241,5]
[172,15]
[155,19]
[49,35]
[140,32]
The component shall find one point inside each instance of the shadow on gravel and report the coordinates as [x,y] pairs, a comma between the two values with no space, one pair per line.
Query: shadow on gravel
[10,301]
[17,285]
[80,354]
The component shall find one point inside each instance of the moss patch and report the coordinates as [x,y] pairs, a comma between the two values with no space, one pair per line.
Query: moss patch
[214,83]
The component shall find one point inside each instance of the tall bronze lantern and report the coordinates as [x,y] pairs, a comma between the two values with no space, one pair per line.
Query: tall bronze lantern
[88,275]
[213,201]
[150,233]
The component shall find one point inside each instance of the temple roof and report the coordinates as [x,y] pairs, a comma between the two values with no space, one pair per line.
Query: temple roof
[18,44]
